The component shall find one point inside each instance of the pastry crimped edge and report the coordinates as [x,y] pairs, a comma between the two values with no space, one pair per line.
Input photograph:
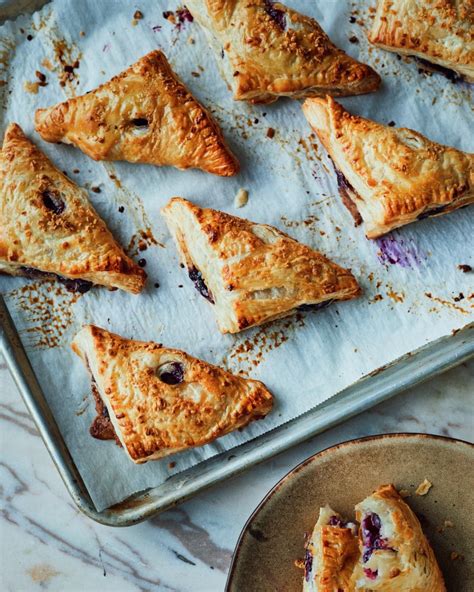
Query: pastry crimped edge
[194,137]
[105,263]
[126,376]
[233,257]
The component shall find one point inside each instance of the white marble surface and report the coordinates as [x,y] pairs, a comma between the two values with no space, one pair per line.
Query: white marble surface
[46,544]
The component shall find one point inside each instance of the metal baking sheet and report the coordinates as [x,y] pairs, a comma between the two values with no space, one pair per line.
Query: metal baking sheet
[407,371]
[404,373]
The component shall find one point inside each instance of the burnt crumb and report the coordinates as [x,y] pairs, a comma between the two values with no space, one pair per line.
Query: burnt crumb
[270,133]
[352,20]
[180,285]
[138,15]
[236,73]
[264,114]
[459,297]
[29,37]
[195,74]
[391,124]
[96,189]
[465,268]
[172,465]
[156,284]
[41,77]
[353,39]
[142,262]
[76,171]
[222,53]
[121,209]
[255,121]
[181,265]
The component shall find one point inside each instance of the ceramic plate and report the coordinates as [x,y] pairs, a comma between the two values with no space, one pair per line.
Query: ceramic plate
[345,474]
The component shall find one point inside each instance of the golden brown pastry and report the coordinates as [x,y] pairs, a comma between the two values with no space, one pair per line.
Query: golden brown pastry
[395,554]
[439,31]
[49,229]
[389,177]
[268,50]
[161,401]
[251,273]
[331,554]
[145,114]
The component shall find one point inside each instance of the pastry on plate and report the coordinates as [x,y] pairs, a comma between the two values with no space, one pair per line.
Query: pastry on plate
[438,31]
[49,229]
[268,50]
[331,554]
[388,176]
[161,401]
[145,114]
[251,273]
[395,555]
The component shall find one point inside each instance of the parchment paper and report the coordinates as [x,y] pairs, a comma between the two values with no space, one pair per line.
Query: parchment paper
[413,289]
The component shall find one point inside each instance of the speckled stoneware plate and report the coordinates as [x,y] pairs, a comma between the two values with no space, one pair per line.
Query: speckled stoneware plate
[343,475]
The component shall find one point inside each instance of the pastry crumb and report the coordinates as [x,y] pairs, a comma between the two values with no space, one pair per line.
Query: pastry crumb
[446,524]
[171,465]
[299,563]
[424,487]
[82,33]
[191,40]
[456,556]
[465,268]
[241,198]
[31,87]
[270,132]
[404,493]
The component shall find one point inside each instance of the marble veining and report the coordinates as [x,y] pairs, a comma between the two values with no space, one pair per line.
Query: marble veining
[46,544]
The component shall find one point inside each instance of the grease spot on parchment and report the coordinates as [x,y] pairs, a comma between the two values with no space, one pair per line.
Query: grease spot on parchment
[67,58]
[250,348]
[42,573]
[398,251]
[48,312]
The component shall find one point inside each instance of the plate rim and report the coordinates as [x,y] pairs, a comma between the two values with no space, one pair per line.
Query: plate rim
[346,443]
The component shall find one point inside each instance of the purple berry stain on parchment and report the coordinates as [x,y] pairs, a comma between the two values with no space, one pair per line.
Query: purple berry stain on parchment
[397,251]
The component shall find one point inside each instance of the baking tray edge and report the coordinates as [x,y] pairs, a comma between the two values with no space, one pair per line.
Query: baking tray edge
[409,370]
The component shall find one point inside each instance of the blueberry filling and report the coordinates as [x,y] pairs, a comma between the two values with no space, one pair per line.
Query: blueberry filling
[431,212]
[335,521]
[139,122]
[371,536]
[275,14]
[308,565]
[370,573]
[345,191]
[196,276]
[184,15]
[171,373]
[313,307]
[53,202]
[76,285]
[449,74]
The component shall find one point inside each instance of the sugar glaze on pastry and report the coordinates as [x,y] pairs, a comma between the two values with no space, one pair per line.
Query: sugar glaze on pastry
[48,227]
[268,50]
[251,273]
[162,401]
[146,115]
[389,177]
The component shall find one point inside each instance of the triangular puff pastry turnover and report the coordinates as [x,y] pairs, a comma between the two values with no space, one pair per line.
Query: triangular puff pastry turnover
[395,555]
[49,229]
[161,401]
[438,31]
[268,50]
[387,176]
[146,115]
[251,273]
[331,554]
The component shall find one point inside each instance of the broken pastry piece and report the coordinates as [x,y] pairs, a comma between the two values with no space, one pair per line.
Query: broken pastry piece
[49,229]
[252,273]
[269,51]
[389,177]
[161,401]
[395,555]
[331,554]
[146,115]
[438,31]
